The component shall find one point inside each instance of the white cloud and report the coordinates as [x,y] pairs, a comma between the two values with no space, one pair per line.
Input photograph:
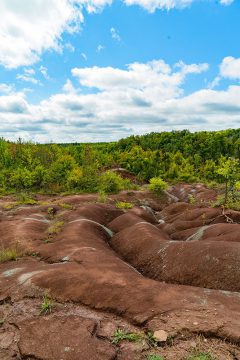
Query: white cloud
[69,88]
[115,35]
[84,56]
[44,71]
[69,47]
[28,76]
[226,2]
[28,28]
[230,68]
[5,88]
[138,99]
[100,48]
[153,5]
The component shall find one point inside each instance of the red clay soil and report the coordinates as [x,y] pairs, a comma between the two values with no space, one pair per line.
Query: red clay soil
[99,282]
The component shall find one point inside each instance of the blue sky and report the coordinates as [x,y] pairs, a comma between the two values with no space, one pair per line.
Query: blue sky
[99,70]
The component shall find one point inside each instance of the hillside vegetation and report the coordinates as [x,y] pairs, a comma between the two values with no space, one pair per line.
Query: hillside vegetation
[177,156]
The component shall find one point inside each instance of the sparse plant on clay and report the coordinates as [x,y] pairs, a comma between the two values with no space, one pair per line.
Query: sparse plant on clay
[123,205]
[121,335]
[102,197]
[55,228]
[9,254]
[47,305]
[154,357]
[202,356]
[152,341]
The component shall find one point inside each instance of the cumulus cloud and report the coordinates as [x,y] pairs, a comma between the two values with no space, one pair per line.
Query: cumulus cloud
[5,88]
[230,68]
[141,98]
[28,28]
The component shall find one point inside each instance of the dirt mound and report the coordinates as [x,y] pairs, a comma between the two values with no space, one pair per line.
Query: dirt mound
[206,264]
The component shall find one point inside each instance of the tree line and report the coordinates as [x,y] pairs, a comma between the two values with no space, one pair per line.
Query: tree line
[177,156]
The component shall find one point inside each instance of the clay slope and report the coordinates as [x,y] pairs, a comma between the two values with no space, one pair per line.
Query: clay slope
[107,268]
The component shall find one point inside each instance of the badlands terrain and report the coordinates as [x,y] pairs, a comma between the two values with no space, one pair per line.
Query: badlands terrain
[94,282]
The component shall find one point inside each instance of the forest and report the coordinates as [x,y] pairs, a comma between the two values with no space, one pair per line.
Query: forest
[176,156]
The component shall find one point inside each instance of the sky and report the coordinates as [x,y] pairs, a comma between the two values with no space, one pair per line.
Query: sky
[101,70]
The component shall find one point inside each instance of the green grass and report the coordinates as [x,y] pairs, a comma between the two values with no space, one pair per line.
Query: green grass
[202,356]
[152,341]
[66,206]
[9,254]
[154,357]
[47,305]
[102,197]
[121,335]
[123,205]
[55,228]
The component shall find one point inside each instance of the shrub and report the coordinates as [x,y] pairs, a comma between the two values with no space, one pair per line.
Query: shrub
[112,183]
[123,205]
[102,197]
[157,185]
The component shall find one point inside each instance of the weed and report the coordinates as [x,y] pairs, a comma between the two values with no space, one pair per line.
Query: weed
[51,212]
[154,357]
[47,305]
[66,206]
[204,217]
[1,322]
[121,335]
[191,199]
[202,356]
[9,254]
[102,197]
[24,198]
[47,241]
[123,205]
[9,206]
[152,341]
[55,228]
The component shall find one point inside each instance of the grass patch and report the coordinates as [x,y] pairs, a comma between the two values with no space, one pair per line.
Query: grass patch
[66,206]
[154,357]
[47,305]
[24,198]
[55,228]
[9,254]
[202,356]
[102,197]
[123,205]
[121,335]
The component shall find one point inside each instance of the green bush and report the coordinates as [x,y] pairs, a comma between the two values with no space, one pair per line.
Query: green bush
[112,183]
[157,185]
[123,205]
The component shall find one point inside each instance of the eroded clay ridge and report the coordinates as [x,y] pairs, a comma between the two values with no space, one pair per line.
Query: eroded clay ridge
[138,264]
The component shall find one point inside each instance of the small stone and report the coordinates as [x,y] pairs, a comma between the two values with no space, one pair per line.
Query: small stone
[195,323]
[160,335]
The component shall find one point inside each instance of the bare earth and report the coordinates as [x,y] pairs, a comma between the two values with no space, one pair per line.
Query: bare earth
[161,266]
